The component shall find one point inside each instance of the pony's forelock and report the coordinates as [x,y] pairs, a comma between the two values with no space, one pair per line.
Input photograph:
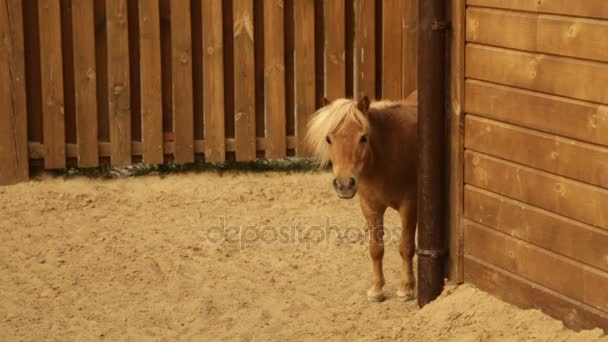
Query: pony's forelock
[326,120]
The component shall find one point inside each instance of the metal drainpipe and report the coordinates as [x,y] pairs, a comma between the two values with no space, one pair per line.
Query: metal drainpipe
[432,190]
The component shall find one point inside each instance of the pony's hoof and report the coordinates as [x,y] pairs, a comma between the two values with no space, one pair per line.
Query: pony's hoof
[406,296]
[375,296]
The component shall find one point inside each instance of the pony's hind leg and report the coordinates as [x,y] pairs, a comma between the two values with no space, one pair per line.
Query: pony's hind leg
[375,217]
[407,250]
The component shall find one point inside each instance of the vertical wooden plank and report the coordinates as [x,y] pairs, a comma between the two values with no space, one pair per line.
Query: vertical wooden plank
[213,82]
[455,103]
[392,29]
[244,80]
[183,112]
[304,30]
[85,85]
[150,75]
[365,49]
[335,49]
[274,79]
[410,47]
[119,98]
[49,18]
[13,114]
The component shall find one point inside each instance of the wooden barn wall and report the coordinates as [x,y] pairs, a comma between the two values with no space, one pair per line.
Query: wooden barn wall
[536,155]
[118,82]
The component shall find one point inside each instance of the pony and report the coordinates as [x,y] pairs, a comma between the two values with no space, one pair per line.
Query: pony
[372,148]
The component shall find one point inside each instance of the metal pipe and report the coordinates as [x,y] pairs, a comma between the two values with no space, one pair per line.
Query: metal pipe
[431,149]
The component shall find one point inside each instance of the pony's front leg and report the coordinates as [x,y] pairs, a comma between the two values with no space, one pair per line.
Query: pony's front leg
[375,216]
[407,249]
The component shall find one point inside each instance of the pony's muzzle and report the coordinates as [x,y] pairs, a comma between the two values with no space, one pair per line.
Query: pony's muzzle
[345,188]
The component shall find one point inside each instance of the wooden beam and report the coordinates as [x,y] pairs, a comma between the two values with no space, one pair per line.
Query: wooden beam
[455,104]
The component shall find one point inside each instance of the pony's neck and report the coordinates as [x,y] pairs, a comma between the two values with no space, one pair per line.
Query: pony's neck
[371,160]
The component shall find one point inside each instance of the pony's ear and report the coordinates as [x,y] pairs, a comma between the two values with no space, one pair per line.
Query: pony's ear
[363,104]
[326,101]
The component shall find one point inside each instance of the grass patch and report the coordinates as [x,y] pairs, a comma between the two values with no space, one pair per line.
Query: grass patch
[138,170]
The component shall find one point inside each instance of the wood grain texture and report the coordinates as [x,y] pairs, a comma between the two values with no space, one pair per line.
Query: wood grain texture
[49,18]
[552,114]
[304,73]
[119,97]
[570,278]
[392,29]
[244,80]
[409,46]
[85,82]
[274,79]
[335,48]
[587,8]
[528,295]
[565,157]
[555,233]
[455,105]
[150,75]
[365,49]
[558,35]
[575,200]
[13,114]
[554,75]
[181,71]
[213,81]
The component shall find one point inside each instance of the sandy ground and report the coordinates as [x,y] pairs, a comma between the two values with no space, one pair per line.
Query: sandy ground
[147,259]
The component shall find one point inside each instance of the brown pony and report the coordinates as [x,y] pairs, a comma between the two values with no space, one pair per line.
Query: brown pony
[373,152]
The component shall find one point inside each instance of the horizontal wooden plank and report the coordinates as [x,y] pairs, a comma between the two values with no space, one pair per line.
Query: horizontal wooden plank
[36,150]
[582,202]
[527,295]
[554,75]
[574,280]
[556,233]
[558,35]
[552,114]
[570,158]
[587,8]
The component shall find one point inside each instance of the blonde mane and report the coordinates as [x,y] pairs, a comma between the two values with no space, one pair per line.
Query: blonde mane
[326,121]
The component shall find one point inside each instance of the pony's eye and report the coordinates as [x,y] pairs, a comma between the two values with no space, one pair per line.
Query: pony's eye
[363,139]
[328,140]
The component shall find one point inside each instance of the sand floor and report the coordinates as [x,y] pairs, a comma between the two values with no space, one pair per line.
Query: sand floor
[206,257]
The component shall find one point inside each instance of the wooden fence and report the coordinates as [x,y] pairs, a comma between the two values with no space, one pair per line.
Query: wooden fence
[86,82]
[536,155]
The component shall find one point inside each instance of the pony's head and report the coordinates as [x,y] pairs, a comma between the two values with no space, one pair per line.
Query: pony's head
[339,132]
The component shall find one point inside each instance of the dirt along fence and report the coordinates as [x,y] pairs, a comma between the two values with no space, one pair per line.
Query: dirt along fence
[124,81]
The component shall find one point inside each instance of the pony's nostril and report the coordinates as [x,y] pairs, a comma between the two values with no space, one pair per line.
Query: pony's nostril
[336,183]
[352,182]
